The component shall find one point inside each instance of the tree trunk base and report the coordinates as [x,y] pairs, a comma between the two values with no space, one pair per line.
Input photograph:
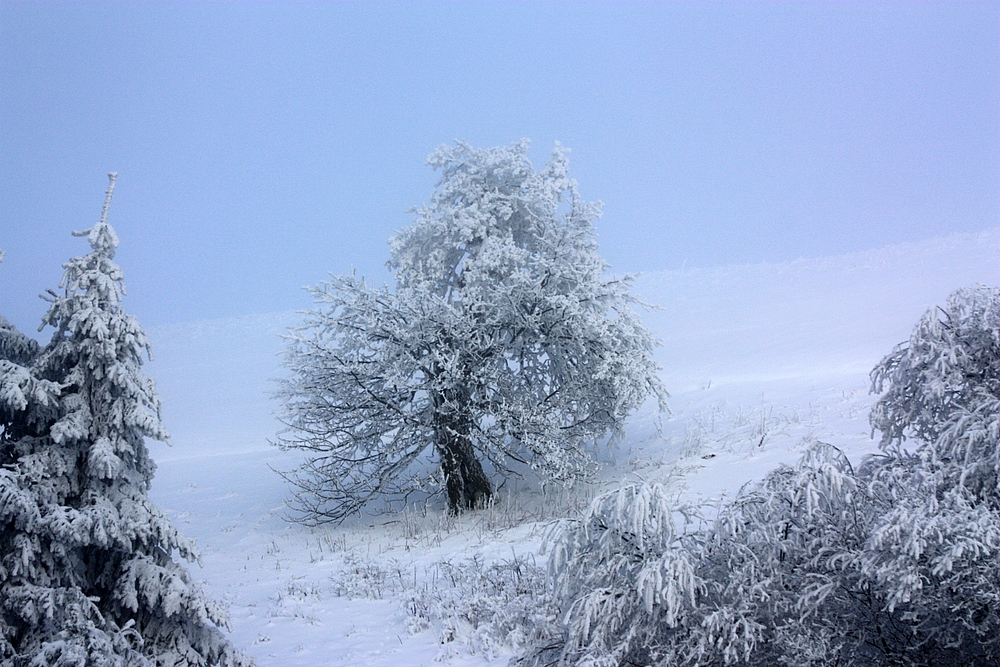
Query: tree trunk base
[466,482]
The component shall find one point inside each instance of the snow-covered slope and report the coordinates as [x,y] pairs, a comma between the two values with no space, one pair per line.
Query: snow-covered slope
[758,359]
[831,316]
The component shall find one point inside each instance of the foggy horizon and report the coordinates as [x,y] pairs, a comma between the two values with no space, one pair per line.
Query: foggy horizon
[260,148]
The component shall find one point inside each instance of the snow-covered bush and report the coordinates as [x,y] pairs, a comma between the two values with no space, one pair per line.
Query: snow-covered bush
[895,563]
[949,366]
[87,575]
[782,567]
[937,551]
[754,589]
[624,578]
[485,607]
[778,579]
[503,342]
[493,608]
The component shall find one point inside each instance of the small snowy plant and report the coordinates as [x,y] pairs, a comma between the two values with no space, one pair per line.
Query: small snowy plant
[87,570]
[493,608]
[503,343]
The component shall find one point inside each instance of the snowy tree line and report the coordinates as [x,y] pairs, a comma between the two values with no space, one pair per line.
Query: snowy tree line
[87,569]
[892,562]
[504,349]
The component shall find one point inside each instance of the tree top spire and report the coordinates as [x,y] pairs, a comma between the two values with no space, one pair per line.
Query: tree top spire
[112,177]
[102,236]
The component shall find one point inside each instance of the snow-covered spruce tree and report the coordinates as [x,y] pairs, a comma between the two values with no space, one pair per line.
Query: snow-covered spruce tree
[502,342]
[27,402]
[87,575]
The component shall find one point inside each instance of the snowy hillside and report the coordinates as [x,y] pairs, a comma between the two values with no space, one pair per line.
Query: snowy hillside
[757,359]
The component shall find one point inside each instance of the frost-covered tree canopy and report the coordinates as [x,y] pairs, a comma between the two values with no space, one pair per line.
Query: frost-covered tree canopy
[87,575]
[503,342]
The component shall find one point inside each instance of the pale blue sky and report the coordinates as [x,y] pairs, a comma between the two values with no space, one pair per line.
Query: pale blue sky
[261,146]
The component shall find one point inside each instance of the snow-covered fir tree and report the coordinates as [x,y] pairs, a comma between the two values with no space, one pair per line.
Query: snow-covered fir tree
[502,343]
[88,575]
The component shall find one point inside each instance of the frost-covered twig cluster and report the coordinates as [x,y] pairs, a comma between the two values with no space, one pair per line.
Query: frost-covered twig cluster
[497,608]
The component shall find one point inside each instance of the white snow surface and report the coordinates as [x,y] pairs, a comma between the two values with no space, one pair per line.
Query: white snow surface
[759,360]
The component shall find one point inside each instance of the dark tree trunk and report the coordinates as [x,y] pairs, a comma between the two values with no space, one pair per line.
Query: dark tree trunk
[467,484]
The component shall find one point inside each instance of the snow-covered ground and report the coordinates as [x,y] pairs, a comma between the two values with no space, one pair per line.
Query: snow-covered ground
[758,359]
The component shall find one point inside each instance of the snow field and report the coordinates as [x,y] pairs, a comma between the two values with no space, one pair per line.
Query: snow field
[760,361]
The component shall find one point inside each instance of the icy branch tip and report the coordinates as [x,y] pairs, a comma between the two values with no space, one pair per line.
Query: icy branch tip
[107,196]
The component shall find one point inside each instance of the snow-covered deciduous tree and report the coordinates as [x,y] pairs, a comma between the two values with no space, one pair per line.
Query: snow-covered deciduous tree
[502,342]
[87,575]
